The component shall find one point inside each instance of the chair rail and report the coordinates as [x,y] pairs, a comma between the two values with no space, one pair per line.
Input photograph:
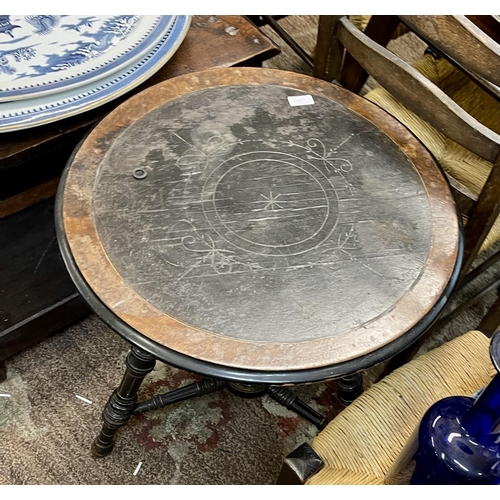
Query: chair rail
[417,93]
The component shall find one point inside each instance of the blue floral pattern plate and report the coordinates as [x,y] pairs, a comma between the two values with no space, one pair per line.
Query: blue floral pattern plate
[41,54]
[17,115]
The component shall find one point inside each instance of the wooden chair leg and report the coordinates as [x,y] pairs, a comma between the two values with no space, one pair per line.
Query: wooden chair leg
[491,322]
[380,29]
[329,51]
[482,218]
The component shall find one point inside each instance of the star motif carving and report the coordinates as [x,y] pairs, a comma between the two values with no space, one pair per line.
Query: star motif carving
[271,202]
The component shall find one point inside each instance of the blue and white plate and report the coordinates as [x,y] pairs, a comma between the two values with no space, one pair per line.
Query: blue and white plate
[45,54]
[29,113]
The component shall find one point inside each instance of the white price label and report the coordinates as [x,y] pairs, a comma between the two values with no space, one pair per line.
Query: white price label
[300,100]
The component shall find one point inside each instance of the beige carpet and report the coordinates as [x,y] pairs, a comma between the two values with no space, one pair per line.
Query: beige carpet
[46,431]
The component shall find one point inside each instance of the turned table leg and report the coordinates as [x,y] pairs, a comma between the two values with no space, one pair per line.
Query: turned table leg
[349,388]
[287,398]
[122,402]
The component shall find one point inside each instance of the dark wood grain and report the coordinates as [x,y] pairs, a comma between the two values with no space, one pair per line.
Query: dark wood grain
[37,297]
[482,217]
[90,236]
[16,179]
[489,24]
[209,45]
[28,197]
[464,197]
[260,21]
[329,53]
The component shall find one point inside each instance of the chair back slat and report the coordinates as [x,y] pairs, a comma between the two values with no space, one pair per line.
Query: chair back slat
[417,93]
[459,39]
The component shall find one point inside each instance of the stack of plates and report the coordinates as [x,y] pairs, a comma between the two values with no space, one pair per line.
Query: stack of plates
[52,67]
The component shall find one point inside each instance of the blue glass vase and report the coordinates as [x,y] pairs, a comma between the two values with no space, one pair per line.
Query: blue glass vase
[459,437]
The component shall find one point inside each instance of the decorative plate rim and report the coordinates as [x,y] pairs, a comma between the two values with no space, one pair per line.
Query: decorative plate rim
[92,71]
[65,104]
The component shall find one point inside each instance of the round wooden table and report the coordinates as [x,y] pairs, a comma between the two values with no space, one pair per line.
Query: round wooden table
[256,226]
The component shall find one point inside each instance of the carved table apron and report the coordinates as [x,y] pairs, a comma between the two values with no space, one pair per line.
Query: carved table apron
[223,230]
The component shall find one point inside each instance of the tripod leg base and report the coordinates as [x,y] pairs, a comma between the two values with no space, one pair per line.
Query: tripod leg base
[287,398]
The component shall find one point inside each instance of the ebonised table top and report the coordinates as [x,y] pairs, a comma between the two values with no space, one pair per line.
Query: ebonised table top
[221,223]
